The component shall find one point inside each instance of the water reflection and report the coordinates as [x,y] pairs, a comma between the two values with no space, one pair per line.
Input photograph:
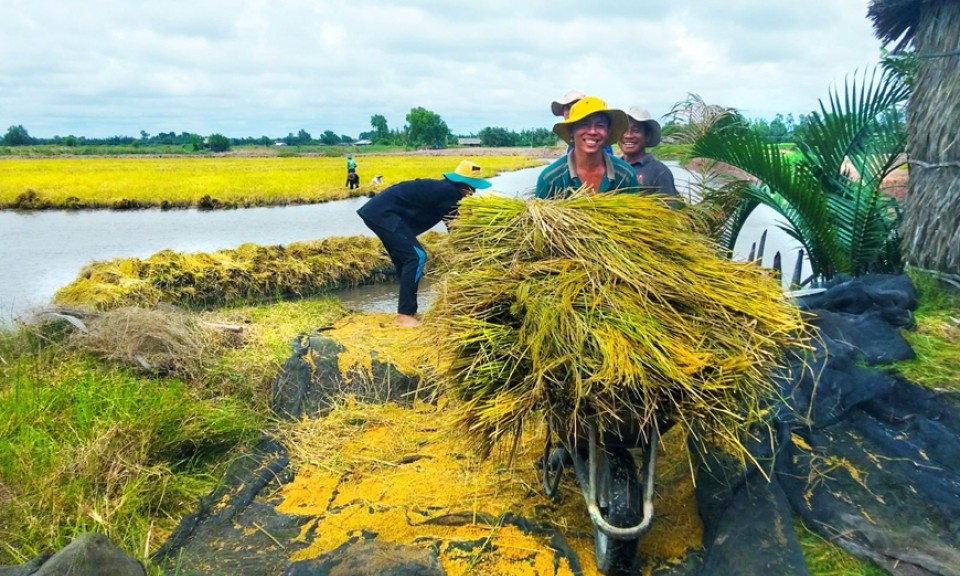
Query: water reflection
[383,297]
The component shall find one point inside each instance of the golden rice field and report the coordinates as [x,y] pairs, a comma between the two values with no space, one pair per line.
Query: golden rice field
[107,182]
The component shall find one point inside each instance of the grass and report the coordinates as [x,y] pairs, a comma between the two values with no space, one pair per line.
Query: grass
[92,445]
[104,449]
[825,558]
[212,182]
[936,339]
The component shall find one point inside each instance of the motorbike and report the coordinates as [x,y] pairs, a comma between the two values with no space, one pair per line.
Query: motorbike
[619,501]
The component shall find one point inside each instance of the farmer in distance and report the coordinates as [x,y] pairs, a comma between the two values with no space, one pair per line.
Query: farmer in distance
[404,211]
[588,129]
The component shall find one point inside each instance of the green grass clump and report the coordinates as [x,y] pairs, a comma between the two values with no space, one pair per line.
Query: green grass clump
[91,443]
[87,446]
[824,558]
[936,339]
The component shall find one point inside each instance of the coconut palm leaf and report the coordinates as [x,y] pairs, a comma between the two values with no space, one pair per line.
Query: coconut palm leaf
[831,198]
[788,189]
[862,128]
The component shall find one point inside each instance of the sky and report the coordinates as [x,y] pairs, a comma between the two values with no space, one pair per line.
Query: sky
[256,68]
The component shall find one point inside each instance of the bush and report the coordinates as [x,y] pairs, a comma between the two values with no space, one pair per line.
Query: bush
[218,143]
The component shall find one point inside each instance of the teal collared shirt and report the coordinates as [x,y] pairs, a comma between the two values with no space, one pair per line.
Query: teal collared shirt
[560,179]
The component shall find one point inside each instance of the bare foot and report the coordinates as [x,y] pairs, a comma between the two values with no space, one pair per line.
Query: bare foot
[406,321]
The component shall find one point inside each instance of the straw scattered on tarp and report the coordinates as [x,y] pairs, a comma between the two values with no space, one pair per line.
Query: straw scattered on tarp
[609,307]
[400,473]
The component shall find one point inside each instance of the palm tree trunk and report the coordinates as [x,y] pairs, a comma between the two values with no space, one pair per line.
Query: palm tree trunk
[931,226]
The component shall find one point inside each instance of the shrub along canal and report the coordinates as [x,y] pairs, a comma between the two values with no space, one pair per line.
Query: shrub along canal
[47,249]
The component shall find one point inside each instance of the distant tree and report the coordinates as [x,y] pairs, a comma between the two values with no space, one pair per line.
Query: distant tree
[537,137]
[670,131]
[426,128]
[344,139]
[218,142]
[70,141]
[166,138]
[329,138]
[381,133]
[496,136]
[193,141]
[760,127]
[17,136]
[777,130]
[802,128]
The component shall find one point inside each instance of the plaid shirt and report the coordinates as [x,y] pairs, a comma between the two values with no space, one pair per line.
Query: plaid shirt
[560,179]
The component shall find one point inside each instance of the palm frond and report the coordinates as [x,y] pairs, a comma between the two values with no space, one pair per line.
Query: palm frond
[831,198]
[788,189]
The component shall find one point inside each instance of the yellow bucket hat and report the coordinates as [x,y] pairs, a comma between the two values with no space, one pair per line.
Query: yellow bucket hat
[592,105]
[468,173]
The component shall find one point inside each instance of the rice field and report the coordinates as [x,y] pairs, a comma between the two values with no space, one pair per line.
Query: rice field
[132,182]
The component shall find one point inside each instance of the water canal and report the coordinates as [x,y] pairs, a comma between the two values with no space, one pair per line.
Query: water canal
[45,250]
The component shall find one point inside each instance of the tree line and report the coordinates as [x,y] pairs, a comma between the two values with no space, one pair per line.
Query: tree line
[423,129]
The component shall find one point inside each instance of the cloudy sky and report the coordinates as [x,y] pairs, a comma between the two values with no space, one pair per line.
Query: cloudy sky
[270,67]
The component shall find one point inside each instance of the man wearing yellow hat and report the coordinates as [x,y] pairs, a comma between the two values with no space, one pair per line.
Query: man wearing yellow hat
[404,211]
[588,129]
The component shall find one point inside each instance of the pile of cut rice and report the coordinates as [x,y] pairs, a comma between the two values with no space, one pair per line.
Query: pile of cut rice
[605,307]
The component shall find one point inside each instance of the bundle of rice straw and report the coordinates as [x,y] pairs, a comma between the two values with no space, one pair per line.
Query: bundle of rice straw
[606,307]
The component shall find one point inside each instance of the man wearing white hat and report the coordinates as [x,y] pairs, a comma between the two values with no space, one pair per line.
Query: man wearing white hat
[561,107]
[644,132]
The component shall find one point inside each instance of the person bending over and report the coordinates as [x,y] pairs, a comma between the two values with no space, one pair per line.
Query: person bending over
[407,209]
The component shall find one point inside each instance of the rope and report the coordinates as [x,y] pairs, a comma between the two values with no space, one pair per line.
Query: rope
[941,54]
[925,165]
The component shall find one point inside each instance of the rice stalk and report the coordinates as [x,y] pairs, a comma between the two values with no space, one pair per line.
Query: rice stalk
[604,307]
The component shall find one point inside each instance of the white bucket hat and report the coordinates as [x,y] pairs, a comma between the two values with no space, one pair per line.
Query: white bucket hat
[640,114]
[569,98]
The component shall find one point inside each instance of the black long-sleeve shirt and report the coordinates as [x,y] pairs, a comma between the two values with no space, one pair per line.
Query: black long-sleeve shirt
[420,203]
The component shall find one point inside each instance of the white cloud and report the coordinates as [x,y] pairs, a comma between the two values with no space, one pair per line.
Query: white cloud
[251,68]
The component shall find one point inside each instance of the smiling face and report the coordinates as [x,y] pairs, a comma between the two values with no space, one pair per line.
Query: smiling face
[633,143]
[590,134]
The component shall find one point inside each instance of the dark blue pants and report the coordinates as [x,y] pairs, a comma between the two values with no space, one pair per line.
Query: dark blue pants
[408,257]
